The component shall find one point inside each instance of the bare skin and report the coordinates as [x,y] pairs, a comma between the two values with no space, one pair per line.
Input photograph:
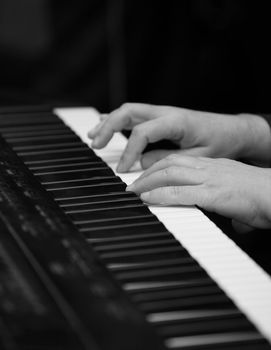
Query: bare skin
[188,175]
[224,186]
[195,133]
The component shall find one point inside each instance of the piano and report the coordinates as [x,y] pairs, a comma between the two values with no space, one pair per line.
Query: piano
[87,265]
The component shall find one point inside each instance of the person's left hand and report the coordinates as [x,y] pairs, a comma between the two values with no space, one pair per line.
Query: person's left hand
[227,187]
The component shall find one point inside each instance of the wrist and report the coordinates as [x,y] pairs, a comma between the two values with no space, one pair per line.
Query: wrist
[257,140]
[264,198]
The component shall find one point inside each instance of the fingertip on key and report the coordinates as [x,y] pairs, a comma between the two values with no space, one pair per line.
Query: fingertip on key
[90,134]
[130,188]
[120,168]
[95,143]
[145,196]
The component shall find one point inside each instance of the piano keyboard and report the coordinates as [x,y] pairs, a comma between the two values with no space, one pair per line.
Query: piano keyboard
[194,286]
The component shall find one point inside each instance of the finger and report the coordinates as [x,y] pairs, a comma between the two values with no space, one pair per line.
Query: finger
[104,131]
[149,158]
[199,152]
[148,132]
[125,117]
[240,227]
[176,195]
[175,159]
[172,176]
[94,131]
[103,116]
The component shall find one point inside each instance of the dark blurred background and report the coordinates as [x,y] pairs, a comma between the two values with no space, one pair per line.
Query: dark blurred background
[201,54]
[209,55]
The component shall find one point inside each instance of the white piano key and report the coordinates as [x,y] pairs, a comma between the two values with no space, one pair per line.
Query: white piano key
[247,284]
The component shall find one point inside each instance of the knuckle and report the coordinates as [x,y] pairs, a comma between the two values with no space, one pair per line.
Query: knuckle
[120,112]
[170,171]
[175,191]
[172,157]
[137,131]
[125,107]
[166,173]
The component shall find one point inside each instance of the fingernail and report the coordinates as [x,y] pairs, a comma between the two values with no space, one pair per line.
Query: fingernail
[94,143]
[145,196]
[91,132]
[130,188]
[120,168]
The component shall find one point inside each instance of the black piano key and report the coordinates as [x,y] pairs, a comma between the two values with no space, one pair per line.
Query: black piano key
[55,153]
[86,172]
[23,109]
[204,302]
[133,219]
[89,208]
[218,341]
[47,147]
[92,180]
[20,130]
[59,162]
[128,238]
[172,251]
[209,326]
[94,163]
[149,255]
[35,132]
[172,292]
[159,319]
[123,266]
[139,288]
[102,188]
[175,291]
[109,213]
[100,204]
[122,230]
[162,274]
[119,246]
[69,164]
[42,140]
[96,198]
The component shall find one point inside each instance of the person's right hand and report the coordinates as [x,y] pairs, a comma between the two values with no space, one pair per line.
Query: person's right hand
[233,189]
[195,133]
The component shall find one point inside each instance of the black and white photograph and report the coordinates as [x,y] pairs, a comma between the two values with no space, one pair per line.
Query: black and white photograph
[135,175]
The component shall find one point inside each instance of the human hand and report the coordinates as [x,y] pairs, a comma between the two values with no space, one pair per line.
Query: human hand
[194,133]
[226,187]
